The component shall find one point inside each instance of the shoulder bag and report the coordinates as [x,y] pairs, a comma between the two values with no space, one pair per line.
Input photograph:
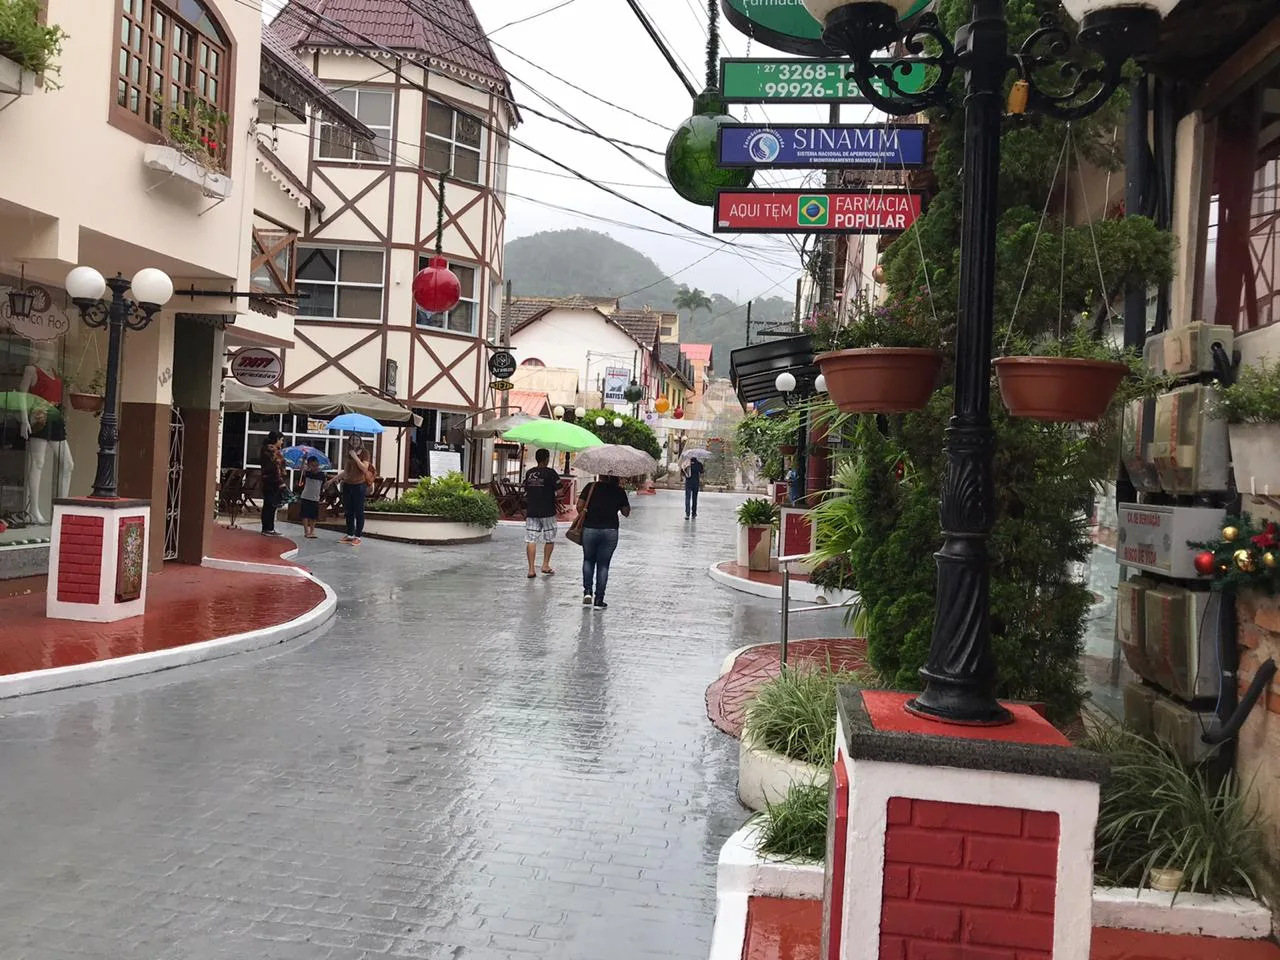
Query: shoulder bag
[574,533]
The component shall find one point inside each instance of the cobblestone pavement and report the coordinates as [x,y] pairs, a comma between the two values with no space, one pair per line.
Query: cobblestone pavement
[467,765]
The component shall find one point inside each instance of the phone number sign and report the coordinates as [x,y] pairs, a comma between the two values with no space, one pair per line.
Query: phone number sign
[806,81]
[802,211]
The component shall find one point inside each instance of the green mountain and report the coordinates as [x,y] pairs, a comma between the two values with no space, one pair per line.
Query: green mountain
[558,263]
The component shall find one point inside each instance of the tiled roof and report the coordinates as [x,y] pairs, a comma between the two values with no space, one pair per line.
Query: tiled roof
[677,362]
[532,402]
[445,31]
[641,324]
[288,78]
[524,310]
[697,352]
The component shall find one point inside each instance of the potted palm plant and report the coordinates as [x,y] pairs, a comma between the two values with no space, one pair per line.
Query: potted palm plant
[884,358]
[757,518]
[1067,380]
[1251,407]
[87,396]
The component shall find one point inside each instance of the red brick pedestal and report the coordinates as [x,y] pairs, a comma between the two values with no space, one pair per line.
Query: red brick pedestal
[957,843]
[98,560]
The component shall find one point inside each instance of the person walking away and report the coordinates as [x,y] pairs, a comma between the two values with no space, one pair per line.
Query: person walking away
[541,484]
[600,503]
[271,471]
[692,484]
[355,479]
[793,485]
[309,505]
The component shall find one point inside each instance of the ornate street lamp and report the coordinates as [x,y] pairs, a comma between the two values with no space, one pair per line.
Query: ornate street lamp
[959,676]
[151,290]
[22,299]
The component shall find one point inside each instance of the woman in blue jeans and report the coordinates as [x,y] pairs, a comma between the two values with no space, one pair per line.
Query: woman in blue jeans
[600,503]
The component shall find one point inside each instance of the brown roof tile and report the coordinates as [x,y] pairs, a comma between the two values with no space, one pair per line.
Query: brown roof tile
[284,69]
[524,310]
[641,324]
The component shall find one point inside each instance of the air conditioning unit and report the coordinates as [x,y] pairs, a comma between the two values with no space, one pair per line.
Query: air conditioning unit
[1186,351]
[1139,701]
[1182,640]
[1131,622]
[1189,443]
[1137,428]
[1181,728]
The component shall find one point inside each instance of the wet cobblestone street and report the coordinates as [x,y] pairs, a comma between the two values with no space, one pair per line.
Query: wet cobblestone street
[467,765]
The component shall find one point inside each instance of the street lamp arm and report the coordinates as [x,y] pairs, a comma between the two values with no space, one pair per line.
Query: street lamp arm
[848,29]
[1046,64]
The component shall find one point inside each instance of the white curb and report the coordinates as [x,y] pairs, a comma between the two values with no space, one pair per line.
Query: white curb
[802,591]
[1189,914]
[99,671]
[765,776]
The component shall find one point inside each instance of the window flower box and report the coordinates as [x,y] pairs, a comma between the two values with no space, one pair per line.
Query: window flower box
[14,79]
[171,160]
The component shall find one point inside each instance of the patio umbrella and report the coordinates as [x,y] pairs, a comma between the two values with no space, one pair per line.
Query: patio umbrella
[355,423]
[496,428]
[295,457]
[616,460]
[554,435]
[698,452]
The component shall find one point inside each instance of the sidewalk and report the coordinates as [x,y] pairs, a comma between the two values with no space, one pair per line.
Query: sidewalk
[185,605]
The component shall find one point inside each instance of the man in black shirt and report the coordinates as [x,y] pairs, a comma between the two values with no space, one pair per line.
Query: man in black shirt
[692,484]
[541,484]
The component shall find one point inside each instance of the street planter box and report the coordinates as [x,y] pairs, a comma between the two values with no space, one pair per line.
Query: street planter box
[419,528]
[765,776]
[170,160]
[755,547]
[15,80]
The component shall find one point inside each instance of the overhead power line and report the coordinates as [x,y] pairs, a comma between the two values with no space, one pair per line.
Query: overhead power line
[662,47]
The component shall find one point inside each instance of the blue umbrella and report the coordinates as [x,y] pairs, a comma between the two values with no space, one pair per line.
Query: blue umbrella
[295,457]
[355,423]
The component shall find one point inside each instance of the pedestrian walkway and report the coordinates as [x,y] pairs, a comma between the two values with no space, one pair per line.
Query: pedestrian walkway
[467,765]
[185,605]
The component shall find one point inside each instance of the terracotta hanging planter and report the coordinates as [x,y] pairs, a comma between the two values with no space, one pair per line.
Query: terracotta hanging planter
[1058,389]
[880,379]
[86,402]
[787,449]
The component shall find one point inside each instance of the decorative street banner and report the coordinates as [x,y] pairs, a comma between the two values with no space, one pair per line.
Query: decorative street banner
[803,211]
[822,146]
[803,81]
[786,25]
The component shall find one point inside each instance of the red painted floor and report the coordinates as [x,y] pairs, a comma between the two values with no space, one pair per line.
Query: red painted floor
[792,930]
[772,577]
[248,544]
[728,697]
[185,604]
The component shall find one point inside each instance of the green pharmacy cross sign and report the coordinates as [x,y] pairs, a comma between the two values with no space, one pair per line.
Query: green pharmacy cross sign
[785,24]
[803,81]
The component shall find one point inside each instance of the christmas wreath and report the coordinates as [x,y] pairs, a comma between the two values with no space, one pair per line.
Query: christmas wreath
[1246,557]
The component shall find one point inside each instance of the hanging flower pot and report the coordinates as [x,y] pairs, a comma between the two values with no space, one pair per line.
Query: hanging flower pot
[787,449]
[880,379]
[86,402]
[1058,389]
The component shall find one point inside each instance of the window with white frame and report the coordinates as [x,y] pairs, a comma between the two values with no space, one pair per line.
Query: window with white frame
[339,283]
[374,108]
[462,318]
[454,142]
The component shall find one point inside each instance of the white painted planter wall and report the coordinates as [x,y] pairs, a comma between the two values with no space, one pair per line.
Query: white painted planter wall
[764,550]
[413,528]
[1255,455]
[15,80]
[764,777]
[170,160]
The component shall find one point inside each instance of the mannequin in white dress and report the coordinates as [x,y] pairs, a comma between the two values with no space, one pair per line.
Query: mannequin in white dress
[45,435]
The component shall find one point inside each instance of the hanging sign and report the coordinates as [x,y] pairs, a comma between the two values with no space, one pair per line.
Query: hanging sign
[804,81]
[47,320]
[502,365]
[801,211]
[502,385]
[785,24]
[256,367]
[822,146]
[615,384]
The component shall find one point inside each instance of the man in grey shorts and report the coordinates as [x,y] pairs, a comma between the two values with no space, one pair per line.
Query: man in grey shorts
[541,484]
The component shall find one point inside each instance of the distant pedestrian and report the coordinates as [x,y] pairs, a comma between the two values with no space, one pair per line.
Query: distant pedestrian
[312,484]
[692,484]
[600,503]
[794,491]
[356,475]
[272,478]
[541,485]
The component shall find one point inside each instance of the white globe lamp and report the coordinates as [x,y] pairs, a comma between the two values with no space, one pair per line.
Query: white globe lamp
[151,287]
[558,412]
[579,412]
[785,382]
[599,421]
[617,421]
[820,384]
[85,283]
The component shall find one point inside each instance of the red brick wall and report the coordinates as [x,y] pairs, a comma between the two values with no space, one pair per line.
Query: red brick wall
[966,882]
[80,559]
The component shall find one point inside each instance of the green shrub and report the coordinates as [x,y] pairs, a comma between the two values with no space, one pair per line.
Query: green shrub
[1254,397]
[795,713]
[795,828]
[632,433]
[1158,813]
[29,43]
[451,497]
[757,512]
[758,437]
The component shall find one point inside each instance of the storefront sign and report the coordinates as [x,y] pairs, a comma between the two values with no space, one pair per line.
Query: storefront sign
[257,367]
[502,365]
[615,384]
[47,321]
[1155,538]
[502,385]
[800,211]
[804,81]
[785,24]
[822,145]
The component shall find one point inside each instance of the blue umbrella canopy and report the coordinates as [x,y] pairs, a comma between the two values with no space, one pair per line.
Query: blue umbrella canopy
[355,423]
[297,456]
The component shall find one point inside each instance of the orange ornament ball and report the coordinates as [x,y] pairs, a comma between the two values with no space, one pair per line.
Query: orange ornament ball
[662,405]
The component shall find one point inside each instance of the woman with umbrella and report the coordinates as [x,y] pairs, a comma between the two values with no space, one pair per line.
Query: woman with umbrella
[599,506]
[357,474]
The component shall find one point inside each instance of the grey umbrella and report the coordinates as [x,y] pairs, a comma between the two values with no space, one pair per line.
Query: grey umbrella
[615,460]
[496,428]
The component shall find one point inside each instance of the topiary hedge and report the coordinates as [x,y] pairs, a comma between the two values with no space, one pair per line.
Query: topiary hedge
[449,497]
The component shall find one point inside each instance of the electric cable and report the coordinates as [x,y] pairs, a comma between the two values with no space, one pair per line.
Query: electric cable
[662,47]
[533,16]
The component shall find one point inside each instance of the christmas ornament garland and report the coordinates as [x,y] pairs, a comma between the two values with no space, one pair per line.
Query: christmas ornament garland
[1247,556]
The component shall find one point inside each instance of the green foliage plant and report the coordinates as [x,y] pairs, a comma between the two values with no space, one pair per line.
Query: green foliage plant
[33,45]
[757,512]
[1254,397]
[903,321]
[796,827]
[632,433]
[200,132]
[794,714]
[450,497]
[1158,813]
[759,437]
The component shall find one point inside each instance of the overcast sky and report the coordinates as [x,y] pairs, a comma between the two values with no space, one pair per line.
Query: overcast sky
[601,46]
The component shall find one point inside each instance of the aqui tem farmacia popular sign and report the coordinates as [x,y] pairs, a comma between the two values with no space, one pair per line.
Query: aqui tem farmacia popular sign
[807,211]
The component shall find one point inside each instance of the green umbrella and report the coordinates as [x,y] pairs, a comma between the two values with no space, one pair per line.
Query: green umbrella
[553,435]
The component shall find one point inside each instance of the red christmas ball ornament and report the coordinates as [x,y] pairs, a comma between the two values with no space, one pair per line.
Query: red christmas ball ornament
[1204,564]
[679,413]
[435,288]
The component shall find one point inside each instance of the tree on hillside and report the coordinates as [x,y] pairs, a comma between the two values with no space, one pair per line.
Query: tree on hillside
[691,300]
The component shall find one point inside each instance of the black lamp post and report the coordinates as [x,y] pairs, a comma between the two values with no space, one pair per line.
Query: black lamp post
[959,676]
[151,289]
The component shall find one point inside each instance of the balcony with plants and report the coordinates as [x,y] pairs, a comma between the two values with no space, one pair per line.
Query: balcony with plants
[29,48]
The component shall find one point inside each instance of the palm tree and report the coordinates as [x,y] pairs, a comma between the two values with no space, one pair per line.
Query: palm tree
[691,300]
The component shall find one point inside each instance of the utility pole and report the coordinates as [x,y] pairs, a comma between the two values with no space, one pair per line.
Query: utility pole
[504,339]
[795,320]
[827,293]
[749,302]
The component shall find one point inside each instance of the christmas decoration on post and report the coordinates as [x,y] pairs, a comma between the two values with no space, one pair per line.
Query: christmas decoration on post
[435,288]
[692,152]
[634,393]
[1246,557]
